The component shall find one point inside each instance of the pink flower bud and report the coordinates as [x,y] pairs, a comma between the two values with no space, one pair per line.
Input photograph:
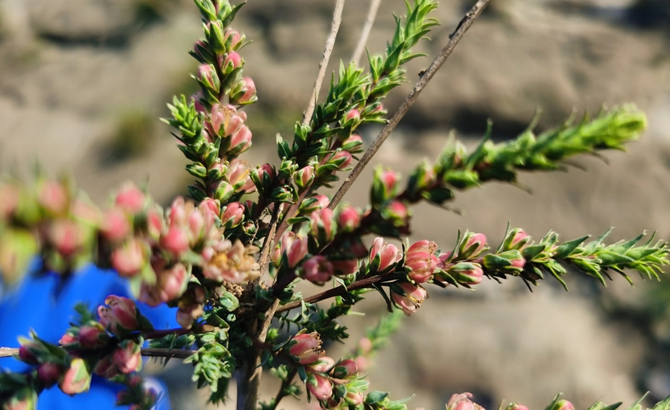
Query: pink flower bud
[28,350]
[397,212]
[130,198]
[317,269]
[175,240]
[342,159]
[353,144]
[472,245]
[208,77]
[232,39]
[461,402]
[49,373]
[239,176]
[320,386]
[362,363]
[53,197]
[119,316]
[563,405]
[115,225]
[294,248]
[127,357]
[68,339]
[92,336]
[354,398]
[383,255]
[211,205]
[421,261]
[232,61]
[345,368]
[516,406]
[129,259]
[466,273]
[517,239]
[365,345]
[322,226]
[66,236]
[233,215]
[390,180]
[250,93]
[106,368]
[197,101]
[408,297]
[518,263]
[303,177]
[323,365]
[240,141]
[173,282]
[306,347]
[353,115]
[77,378]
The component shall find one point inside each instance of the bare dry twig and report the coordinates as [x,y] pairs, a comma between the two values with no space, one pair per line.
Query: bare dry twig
[367,27]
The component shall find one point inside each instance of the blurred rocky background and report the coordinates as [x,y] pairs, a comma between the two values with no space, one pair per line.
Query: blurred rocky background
[82,83]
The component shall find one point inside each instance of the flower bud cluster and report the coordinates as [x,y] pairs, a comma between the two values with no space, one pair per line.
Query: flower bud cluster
[137,395]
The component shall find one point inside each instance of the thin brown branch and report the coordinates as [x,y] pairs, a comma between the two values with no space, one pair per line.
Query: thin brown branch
[323,65]
[365,34]
[454,38]
[149,352]
[339,291]
[269,240]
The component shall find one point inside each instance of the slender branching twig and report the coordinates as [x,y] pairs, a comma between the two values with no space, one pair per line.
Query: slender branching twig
[367,28]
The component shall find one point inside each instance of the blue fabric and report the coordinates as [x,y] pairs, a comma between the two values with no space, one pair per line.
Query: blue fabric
[38,304]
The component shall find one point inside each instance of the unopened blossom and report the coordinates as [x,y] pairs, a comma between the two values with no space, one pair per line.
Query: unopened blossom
[323,226]
[67,236]
[232,39]
[106,368]
[130,198]
[176,240]
[49,373]
[239,176]
[323,365]
[354,398]
[208,77]
[229,261]
[397,212]
[306,347]
[240,141]
[461,401]
[353,115]
[291,247]
[210,205]
[53,197]
[563,405]
[304,177]
[466,273]
[421,260]
[472,245]
[348,218]
[92,336]
[115,225]
[353,144]
[383,256]
[345,368]
[317,269]
[365,345]
[119,316]
[30,351]
[408,297]
[172,282]
[263,175]
[127,357]
[24,398]
[232,215]
[77,378]
[516,239]
[516,406]
[247,94]
[129,259]
[341,159]
[320,386]
[232,61]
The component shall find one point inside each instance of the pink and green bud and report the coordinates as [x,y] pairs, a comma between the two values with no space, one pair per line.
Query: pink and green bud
[106,368]
[353,117]
[49,373]
[176,240]
[53,197]
[127,357]
[345,368]
[320,386]
[384,185]
[408,297]
[317,269]
[31,351]
[306,348]
[472,245]
[560,404]
[313,204]
[516,239]
[92,336]
[466,273]
[348,219]
[119,316]
[341,159]
[263,176]
[323,365]
[66,236]
[173,282]
[23,399]
[383,256]
[353,144]
[244,93]
[129,259]
[506,261]
[233,215]
[303,177]
[130,198]
[208,78]
[77,379]
[323,226]
[115,225]
[354,398]
[421,261]
[232,61]
[239,176]
[223,191]
[210,205]
[461,401]
[240,141]
[232,39]
[291,247]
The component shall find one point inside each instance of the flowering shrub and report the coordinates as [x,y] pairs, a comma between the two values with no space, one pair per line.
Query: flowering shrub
[229,257]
